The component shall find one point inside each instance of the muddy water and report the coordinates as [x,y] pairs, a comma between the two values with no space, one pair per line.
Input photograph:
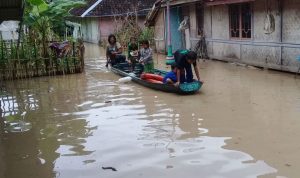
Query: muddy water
[243,124]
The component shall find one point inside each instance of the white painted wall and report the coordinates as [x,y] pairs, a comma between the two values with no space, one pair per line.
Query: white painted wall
[8,30]
[90,30]
[159,32]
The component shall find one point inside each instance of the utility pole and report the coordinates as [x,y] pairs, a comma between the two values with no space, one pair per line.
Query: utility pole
[170,57]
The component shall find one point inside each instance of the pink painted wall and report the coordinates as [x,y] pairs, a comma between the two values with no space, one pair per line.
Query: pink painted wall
[107,26]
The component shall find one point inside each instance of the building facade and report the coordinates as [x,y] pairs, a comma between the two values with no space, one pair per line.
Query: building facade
[262,33]
[98,17]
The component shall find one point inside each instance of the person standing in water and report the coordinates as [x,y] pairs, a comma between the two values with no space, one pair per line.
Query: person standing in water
[184,60]
[114,51]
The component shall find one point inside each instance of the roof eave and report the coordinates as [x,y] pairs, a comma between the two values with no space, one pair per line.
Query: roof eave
[14,12]
[153,13]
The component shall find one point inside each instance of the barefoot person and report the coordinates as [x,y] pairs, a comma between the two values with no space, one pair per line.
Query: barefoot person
[184,60]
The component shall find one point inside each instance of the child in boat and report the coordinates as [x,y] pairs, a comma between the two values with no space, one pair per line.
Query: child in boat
[133,53]
[132,46]
[170,77]
[146,58]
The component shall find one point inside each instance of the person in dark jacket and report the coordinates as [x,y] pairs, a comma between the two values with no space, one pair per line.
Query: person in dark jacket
[184,60]
[133,53]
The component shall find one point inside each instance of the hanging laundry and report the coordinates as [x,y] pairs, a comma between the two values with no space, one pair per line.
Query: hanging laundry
[184,24]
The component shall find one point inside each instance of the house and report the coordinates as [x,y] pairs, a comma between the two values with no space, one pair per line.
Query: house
[11,13]
[11,10]
[8,30]
[98,18]
[263,33]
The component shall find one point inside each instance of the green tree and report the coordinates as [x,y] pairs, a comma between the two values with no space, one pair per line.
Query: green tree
[46,19]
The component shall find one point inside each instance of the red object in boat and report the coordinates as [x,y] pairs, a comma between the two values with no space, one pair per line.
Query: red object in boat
[146,76]
[154,81]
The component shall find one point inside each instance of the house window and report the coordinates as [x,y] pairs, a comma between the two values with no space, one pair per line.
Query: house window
[200,18]
[240,20]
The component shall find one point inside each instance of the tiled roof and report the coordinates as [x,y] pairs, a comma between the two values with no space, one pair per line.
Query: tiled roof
[80,10]
[10,9]
[114,7]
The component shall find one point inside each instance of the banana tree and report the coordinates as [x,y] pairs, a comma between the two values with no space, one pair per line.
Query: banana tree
[46,19]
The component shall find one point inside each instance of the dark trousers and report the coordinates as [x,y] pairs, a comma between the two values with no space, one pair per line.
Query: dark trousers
[187,75]
[118,59]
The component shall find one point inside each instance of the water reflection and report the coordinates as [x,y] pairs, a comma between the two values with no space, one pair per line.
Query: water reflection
[80,123]
[33,153]
[178,134]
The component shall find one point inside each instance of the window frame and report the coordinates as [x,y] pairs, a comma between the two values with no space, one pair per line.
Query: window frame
[241,21]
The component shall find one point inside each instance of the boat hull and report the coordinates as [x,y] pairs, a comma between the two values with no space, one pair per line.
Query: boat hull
[187,88]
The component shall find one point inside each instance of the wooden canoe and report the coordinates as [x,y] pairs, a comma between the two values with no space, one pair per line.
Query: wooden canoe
[124,70]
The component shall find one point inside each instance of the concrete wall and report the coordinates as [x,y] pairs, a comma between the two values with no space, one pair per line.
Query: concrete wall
[95,30]
[191,10]
[291,34]
[107,27]
[277,50]
[265,50]
[291,21]
[8,30]
[159,32]
[90,30]
[141,22]
[220,22]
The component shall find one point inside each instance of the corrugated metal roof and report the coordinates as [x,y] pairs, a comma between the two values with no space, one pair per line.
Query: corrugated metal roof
[11,9]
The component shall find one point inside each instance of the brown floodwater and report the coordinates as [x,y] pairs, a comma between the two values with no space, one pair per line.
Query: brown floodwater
[244,123]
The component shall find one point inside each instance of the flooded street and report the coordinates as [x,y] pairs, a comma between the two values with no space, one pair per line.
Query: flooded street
[245,123]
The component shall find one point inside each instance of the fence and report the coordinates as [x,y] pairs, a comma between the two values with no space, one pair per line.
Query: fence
[24,60]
